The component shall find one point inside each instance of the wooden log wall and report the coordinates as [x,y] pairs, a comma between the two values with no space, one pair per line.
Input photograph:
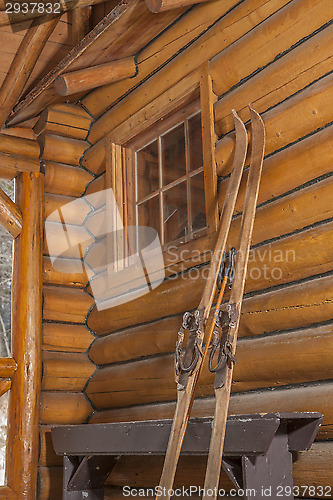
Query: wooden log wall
[276,55]
[61,131]
[285,341]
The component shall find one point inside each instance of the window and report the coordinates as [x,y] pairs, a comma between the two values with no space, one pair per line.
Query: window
[169,175]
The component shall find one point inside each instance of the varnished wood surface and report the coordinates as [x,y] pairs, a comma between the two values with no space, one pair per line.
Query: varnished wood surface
[66,337]
[64,408]
[64,371]
[10,215]
[67,120]
[23,416]
[65,304]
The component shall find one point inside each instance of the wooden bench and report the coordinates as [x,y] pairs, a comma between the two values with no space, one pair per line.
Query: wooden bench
[257,451]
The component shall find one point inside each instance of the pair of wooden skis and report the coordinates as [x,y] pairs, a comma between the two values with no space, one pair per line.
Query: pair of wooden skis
[189,360]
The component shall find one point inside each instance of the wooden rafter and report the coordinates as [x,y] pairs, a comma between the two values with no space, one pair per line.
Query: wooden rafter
[23,63]
[80,23]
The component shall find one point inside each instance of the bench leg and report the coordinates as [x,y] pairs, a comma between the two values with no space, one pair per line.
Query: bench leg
[270,475]
[84,479]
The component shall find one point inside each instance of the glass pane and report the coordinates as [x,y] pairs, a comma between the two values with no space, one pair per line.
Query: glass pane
[195,142]
[147,170]
[198,209]
[149,213]
[175,212]
[173,153]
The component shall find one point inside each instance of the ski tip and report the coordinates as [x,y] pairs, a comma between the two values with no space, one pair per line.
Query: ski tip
[239,124]
[254,113]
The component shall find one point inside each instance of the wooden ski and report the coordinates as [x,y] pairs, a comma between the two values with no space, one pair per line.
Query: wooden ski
[228,321]
[190,359]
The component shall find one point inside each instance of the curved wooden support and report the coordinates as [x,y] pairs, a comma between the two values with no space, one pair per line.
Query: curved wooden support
[10,215]
[162,5]
[95,76]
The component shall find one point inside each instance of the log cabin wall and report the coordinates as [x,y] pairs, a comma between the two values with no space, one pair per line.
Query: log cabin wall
[61,132]
[276,55]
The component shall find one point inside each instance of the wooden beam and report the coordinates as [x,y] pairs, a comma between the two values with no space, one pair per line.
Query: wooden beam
[65,180]
[66,337]
[64,408]
[7,493]
[5,385]
[80,23]
[24,62]
[10,215]
[11,166]
[66,371]
[61,149]
[66,304]
[162,5]
[95,76]
[65,6]
[23,413]
[7,367]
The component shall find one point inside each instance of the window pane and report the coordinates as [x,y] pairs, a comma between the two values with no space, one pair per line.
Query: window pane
[149,213]
[175,212]
[147,170]
[195,142]
[173,151]
[198,209]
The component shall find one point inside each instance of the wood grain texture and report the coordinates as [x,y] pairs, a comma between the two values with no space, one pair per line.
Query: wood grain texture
[24,397]
[10,215]
[65,179]
[11,166]
[95,76]
[63,371]
[67,120]
[287,75]
[289,358]
[116,36]
[305,112]
[24,62]
[62,337]
[61,149]
[311,397]
[72,273]
[81,20]
[66,304]
[227,22]
[74,210]
[64,408]
[8,367]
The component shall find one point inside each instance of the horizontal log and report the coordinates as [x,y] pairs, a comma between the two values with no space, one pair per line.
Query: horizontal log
[162,5]
[310,467]
[66,304]
[289,74]
[63,371]
[65,180]
[68,120]
[289,358]
[47,455]
[95,76]
[11,166]
[66,337]
[50,483]
[231,27]
[72,273]
[287,259]
[307,159]
[18,146]
[292,23]
[72,210]
[171,297]
[66,241]
[305,112]
[61,149]
[10,215]
[7,367]
[93,158]
[315,397]
[64,408]
[96,185]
